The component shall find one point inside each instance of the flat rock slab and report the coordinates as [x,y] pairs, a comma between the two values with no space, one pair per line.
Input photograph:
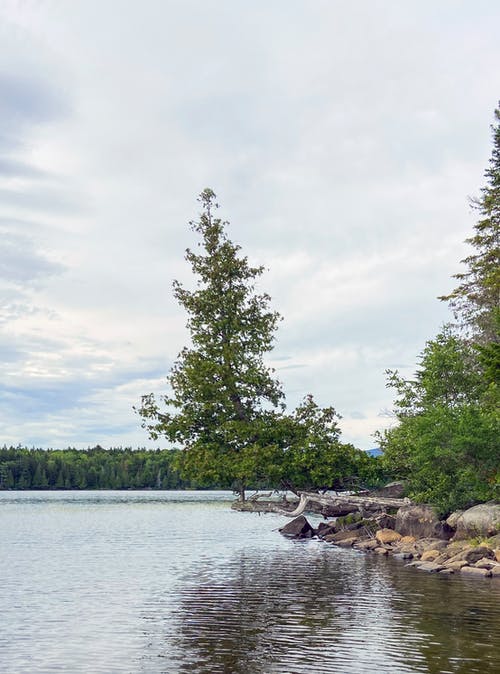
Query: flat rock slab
[431,567]
[370,544]
[473,571]
[346,542]
[456,566]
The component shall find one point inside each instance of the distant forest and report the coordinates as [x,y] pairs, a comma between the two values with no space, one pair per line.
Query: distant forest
[95,468]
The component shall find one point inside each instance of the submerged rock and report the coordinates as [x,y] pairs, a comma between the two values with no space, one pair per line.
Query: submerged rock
[473,571]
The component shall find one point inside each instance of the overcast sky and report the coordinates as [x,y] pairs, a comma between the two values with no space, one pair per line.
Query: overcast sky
[342,139]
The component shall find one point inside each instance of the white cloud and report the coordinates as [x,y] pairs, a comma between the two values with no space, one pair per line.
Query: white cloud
[342,140]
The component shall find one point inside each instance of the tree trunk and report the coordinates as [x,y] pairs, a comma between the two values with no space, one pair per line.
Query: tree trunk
[328,504]
[367,502]
[241,491]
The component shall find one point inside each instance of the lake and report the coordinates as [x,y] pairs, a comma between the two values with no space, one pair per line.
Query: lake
[175,582]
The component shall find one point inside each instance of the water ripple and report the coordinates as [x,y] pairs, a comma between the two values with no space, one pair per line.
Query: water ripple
[129,583]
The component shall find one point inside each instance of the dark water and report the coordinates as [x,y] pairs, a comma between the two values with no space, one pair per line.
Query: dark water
[175,582]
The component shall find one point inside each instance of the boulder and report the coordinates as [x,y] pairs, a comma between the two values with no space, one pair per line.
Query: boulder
[407,539]
[459,555]
[326,528]
[430,544]
[429,555]
[456,566]
[391,490]
[475,554]
[442,557]
[421,521]
[495,572]
[497,555]
[298,528]
[485,563]
[409,549]
[385,521]
[452,519]
[387,536]
[471,570]
[343,536]
[480,520]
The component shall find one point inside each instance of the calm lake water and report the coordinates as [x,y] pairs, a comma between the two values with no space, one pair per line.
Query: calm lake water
[176,582]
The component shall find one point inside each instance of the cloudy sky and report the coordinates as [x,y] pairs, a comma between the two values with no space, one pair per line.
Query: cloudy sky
[342,139]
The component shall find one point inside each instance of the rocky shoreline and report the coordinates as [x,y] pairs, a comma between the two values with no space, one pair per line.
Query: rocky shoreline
[468,542]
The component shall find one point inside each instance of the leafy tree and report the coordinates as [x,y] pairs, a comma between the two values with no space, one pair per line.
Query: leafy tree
[223,396]
[446,442]
[314,457]
[476,300]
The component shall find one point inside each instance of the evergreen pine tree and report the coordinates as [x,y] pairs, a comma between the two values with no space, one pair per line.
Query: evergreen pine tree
[222,393]
[476,300]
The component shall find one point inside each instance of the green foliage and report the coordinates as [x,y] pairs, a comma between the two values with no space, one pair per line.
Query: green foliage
[225,408]
[96,468]
[476,299]
[222,394]
[446,442]
[315,458]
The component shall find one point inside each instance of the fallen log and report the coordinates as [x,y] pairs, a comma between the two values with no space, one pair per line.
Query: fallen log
[328,504]
[357,502]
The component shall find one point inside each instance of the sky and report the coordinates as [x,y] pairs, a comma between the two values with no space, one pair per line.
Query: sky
[343,140]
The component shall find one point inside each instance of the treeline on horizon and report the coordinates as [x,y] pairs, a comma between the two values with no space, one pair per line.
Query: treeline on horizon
[93,468]
[141,468]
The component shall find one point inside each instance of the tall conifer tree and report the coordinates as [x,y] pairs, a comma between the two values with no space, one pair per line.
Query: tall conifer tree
[222,398]
[476,300]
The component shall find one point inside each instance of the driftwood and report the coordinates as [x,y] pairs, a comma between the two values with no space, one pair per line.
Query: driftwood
[328,504]
[347,500]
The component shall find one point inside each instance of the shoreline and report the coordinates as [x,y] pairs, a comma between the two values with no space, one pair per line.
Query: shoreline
[438,549]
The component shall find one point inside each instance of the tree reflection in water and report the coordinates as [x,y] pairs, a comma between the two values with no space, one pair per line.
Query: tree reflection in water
[317,609]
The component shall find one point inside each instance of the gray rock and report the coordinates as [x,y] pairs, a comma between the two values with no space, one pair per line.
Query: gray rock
[452,519]
[431,567]
[326,528]
[347,534]
[480,520]
[298,528]
[472,571]
[391,490]
[480,552]
[422,522]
